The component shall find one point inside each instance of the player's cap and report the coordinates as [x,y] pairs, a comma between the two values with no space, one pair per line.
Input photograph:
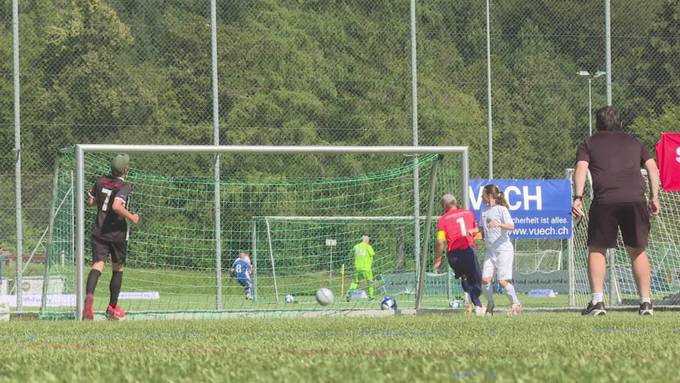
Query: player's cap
[364,238]
[449,199]
[120,163]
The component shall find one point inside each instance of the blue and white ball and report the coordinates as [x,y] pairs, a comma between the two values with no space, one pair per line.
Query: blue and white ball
[324,296]
[290,298]
[388,303]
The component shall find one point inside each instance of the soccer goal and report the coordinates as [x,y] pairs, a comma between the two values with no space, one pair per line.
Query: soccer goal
[538,261]
[298,211]
[620,288]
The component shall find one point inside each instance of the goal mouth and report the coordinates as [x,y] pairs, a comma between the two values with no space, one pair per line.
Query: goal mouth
[200,206]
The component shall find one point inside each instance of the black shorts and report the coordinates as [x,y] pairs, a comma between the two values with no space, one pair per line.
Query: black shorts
[605,220]
[101,250]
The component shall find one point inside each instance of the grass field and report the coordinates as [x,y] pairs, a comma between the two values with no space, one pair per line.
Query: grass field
[195,291]
[446,348]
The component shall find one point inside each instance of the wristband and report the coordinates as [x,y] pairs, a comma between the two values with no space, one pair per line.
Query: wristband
[578,197]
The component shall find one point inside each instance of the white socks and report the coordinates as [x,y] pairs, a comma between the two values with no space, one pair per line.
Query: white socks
[510,292]
[488,293]
[597,298]
[645,300]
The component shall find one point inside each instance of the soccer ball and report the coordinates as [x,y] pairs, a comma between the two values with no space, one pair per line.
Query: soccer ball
[324,296]
[388,303]
[290,299]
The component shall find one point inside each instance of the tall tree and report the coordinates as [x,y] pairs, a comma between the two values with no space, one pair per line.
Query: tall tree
[657,84]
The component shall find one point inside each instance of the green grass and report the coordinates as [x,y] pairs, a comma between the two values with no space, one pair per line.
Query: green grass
[194,290]
[446,348]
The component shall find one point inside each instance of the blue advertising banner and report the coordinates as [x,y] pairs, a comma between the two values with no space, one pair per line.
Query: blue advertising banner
[540,209]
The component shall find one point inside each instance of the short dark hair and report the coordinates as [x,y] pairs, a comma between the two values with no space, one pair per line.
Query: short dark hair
[609,118]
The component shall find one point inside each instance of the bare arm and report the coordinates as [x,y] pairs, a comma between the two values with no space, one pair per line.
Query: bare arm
[505,223]
[438,250]
[90,199]
[580,177]
[579,184]
[654,180]
[119,208]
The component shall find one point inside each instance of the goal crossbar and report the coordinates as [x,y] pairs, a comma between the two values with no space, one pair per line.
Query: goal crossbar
[82,149]
[269,149]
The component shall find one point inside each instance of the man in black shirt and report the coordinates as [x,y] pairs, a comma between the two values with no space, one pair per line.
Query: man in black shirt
[614,159]
[110,234]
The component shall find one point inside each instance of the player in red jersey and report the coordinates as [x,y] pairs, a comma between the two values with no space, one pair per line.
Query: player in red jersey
[110,234]
[457,228]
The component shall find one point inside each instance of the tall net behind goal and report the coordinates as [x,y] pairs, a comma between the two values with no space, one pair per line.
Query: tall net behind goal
[297,214]
[663,251]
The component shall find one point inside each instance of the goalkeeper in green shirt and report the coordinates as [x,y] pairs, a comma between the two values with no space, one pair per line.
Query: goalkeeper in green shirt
[363,264]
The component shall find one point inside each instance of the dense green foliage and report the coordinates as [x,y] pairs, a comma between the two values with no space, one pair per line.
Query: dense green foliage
[323,72]
[530,348]
[327,72]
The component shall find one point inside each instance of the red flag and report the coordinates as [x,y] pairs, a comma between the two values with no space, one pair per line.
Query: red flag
[668,155]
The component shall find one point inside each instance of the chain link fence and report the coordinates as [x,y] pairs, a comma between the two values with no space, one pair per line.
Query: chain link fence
[325,73]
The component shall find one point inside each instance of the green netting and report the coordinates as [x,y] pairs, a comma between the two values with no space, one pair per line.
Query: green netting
[266,204]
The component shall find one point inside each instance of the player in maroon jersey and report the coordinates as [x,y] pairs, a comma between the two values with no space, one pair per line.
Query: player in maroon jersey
[110,234]
[457,228]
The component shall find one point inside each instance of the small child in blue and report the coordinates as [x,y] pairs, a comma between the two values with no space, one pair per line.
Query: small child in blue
[241,269]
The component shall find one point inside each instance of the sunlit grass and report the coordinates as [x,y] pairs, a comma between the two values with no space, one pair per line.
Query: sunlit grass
[453,347]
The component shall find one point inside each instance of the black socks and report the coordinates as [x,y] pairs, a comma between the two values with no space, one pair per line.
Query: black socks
[92,279]
[114,287]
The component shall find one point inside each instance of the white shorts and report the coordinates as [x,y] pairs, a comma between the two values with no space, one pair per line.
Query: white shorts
[499,263]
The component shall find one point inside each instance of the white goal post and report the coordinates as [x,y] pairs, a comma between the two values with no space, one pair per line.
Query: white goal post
[83,149]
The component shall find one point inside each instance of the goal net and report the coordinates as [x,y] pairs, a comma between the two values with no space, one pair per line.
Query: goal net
[663,251]
[538,261]
[297,211]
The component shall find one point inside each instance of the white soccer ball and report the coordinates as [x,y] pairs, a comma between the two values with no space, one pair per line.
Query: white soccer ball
[324,296]
[388,303]
[290,299]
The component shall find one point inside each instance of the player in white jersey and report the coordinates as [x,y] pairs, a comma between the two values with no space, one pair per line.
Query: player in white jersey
[499,256]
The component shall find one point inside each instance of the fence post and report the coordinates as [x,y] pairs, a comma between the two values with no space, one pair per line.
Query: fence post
[216,138]
[17,151]
[488,86]
[608,38]
[570,250]
[414,123]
